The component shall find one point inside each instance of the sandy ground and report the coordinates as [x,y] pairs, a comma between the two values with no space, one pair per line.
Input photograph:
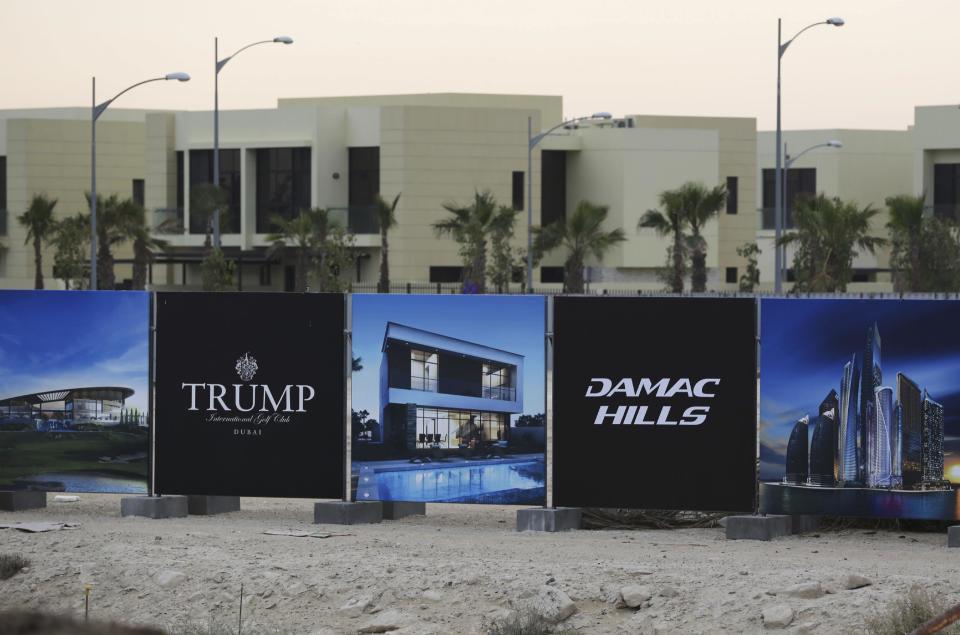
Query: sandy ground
[449,571]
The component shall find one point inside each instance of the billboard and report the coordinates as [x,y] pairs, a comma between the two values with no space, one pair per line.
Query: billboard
[860,407]
[654,403]
[250,394]
[448,398]
[74,391]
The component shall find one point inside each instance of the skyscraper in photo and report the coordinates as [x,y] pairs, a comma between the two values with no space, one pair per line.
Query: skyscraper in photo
[796,469]
[932,440]
[879,455]
[847,437]
[824,443]
[910,399]
[896,447]
[870,377]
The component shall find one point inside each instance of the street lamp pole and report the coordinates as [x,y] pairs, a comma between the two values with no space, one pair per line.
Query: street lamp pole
[218,64]
[778,180]
[532,141]
[95,111]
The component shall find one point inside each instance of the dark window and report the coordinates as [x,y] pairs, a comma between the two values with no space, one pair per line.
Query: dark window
[446,274]
[138,192]
[179,179]
[289,278]
[518,190]
[731,274]
[733,194]
[3,196]
[283,184]
[551,274]
[946,187]
[201,171]
[801,184]
[518,274]
[553,186]
[363,181]
[265,275]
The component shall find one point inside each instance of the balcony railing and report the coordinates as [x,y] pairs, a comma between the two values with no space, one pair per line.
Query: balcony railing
[503,393]
[168,221]
[357,219]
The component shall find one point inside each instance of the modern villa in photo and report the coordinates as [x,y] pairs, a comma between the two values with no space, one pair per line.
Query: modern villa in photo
[70,409]
[444,393]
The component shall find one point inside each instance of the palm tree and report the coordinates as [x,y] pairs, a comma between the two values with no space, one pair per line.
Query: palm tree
[828,232]
[71,244]
[582,235]
[386,219]
[701,205]
[672,221]
[470,226]
[40,224]
[299,234]
[906,230]
[116,220]
[205,200]
[144,244]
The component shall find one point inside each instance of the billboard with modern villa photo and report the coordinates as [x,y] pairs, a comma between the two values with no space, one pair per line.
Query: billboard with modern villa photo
[448,399]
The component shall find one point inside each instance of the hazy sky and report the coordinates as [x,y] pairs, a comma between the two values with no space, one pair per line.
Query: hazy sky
[689,57]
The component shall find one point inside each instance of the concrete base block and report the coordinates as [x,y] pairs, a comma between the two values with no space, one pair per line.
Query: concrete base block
[801,524]
[953,536]
[395,510]
[548,519]
[345,513]
[758,527]
[154,506]
[20,500]
[209,505]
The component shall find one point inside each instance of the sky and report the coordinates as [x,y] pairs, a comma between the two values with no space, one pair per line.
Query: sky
[683,57]
[804,345]
[509,323]
[51,340]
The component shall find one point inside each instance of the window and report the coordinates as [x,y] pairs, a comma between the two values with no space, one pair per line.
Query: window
[201,171]
[451,429]
[733,194]
[265,275]
[551,274]
[289,278]
[180,179]
[496,383]
[423,370]
[3,196]
[363,181]
[553,186]
[731,275]
[801,183]
[138,192]
[518,190]
[283,184]
[946,188]
[446,274]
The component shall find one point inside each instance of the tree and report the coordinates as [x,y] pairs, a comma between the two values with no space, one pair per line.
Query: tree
[297,234]
[216,271]
[144,244]
[501,251]
[71,243]
[116,220]
[700,205]
[925,249]
[386,219]
[582,235]
[319,243]
[751,277]
[41,225]
[828,232]
[471,226]
[335,254]
[672,221]
[205,200]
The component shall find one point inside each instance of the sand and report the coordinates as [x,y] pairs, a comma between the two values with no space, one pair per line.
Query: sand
[450,571]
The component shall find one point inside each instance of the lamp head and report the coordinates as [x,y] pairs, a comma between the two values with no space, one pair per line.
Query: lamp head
[283,39]
[835,21]
[180,77]
[601,115]
[834,143]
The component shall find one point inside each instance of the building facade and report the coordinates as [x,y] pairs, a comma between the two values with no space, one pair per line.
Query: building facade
[70,409]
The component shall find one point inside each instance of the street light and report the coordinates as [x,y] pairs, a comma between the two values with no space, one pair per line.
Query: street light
[778,184]
[788,161]
[532,141]
[95,112]
[218,65]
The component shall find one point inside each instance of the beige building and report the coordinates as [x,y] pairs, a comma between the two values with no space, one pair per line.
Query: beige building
[936,158]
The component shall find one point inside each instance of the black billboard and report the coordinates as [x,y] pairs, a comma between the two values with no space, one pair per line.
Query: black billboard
[655,403]
[250,394]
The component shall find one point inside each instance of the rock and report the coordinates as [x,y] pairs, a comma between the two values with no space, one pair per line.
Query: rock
[386,621]
[805,590]
[853,581]
[433,596]
[549,602]
[357,606]
[634,595]
[169,579]
[669,592]
[777,616]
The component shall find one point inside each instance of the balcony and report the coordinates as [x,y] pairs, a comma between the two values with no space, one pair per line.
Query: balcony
[504,393]
[168,221]
[357,219]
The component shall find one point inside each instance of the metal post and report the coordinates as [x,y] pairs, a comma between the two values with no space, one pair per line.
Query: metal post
[93,187]
[778,186]
[783,212]
[216,141]
[529,204]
